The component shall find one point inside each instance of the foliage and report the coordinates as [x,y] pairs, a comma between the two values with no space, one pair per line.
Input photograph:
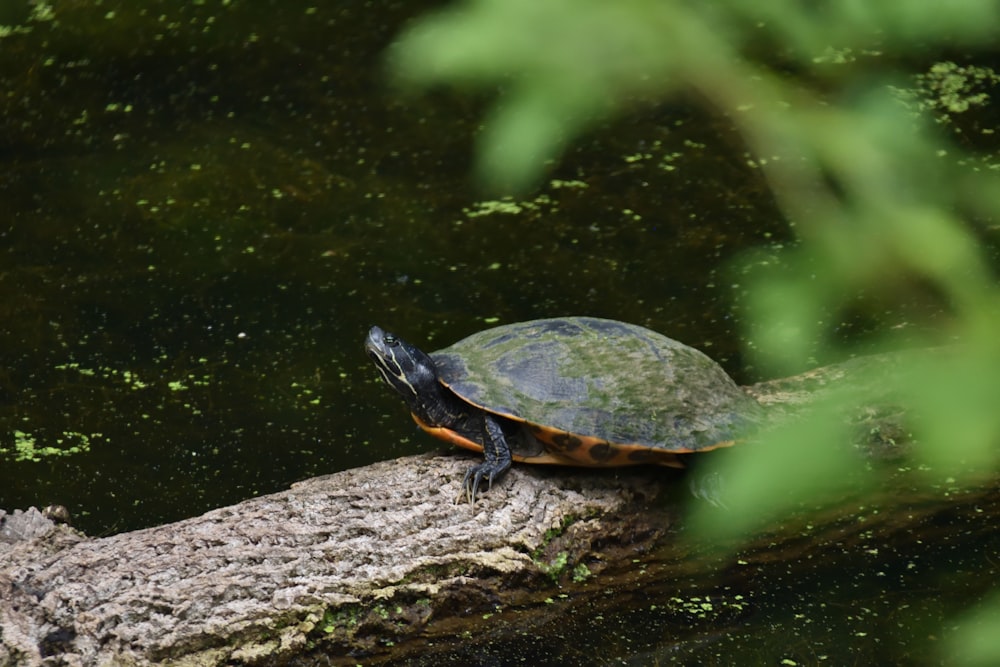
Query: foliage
[858,155]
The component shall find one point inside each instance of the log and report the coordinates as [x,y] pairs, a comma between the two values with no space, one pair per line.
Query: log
[345,566]
[320,562]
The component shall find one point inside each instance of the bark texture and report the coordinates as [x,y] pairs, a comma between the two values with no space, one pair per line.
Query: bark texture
[351,559]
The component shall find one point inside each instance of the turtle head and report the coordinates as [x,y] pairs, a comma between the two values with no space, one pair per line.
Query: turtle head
[403,367]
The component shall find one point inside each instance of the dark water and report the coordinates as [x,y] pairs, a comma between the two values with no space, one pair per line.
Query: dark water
[206,205]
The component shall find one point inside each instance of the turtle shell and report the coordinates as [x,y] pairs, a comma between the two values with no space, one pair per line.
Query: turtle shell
[590,391]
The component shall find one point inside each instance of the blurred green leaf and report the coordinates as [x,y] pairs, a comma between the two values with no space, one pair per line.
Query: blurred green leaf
[975,639]
[953,395]
[562,65]
[803,463]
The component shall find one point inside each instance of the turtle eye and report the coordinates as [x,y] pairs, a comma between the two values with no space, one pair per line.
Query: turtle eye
[389,339]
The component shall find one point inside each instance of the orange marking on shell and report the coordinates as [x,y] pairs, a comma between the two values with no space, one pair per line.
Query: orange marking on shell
[580,454]
[598,453]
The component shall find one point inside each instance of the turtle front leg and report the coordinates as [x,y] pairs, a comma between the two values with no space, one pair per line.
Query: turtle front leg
[497,453]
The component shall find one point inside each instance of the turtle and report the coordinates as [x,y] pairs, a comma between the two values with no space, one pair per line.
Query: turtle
[581,391]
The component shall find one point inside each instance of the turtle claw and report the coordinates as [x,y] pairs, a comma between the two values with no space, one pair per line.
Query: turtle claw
[475,476]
